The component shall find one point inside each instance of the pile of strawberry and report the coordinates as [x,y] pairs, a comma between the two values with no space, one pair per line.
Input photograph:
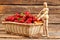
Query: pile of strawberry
[25,17]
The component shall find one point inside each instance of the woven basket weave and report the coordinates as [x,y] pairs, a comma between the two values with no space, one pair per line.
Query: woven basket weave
[27,29]
[23,28]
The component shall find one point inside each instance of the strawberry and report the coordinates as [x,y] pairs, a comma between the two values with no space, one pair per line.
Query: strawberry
[16,17]
[21,16]
[40,19]
[17,14]
[26,13]
[21,21]
[15,20]
[29,20]
[24,18]
[10,18]
[6,19]
[30,16]
[34,18]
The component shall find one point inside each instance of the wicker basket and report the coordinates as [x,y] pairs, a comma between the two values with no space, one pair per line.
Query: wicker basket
[28,29]
[23,28]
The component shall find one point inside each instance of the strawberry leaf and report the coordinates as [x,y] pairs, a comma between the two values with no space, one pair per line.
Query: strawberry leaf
[19,18]
[22,14]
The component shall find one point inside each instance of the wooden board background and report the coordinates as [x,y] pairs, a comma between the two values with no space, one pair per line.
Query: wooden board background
[50,2]
[9,7]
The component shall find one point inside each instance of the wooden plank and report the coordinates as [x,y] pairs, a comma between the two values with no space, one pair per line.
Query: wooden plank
[10,1]
[2,29]
[12,36]
[54,29]
[54,18]
[32,9]
[51,2]
[28,39]
[1,25]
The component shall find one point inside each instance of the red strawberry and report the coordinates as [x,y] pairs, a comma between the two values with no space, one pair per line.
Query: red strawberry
[10,18]
[15,20]
[24,18]
[27,12]
[17,14]
[40,19]
[21,21]
[34,18]
[21,16]
[16,17]
[6,19]
[30,16]
[29,20]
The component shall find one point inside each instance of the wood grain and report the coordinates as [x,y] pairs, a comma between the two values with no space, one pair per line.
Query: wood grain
[54,18]
[12,36]
[51,2]
[32,9]
[28,39]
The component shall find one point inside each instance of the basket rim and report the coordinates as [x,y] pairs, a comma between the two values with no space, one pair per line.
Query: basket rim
[9,22]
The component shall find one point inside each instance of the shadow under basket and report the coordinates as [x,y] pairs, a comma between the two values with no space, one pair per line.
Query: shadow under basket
[24,29]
